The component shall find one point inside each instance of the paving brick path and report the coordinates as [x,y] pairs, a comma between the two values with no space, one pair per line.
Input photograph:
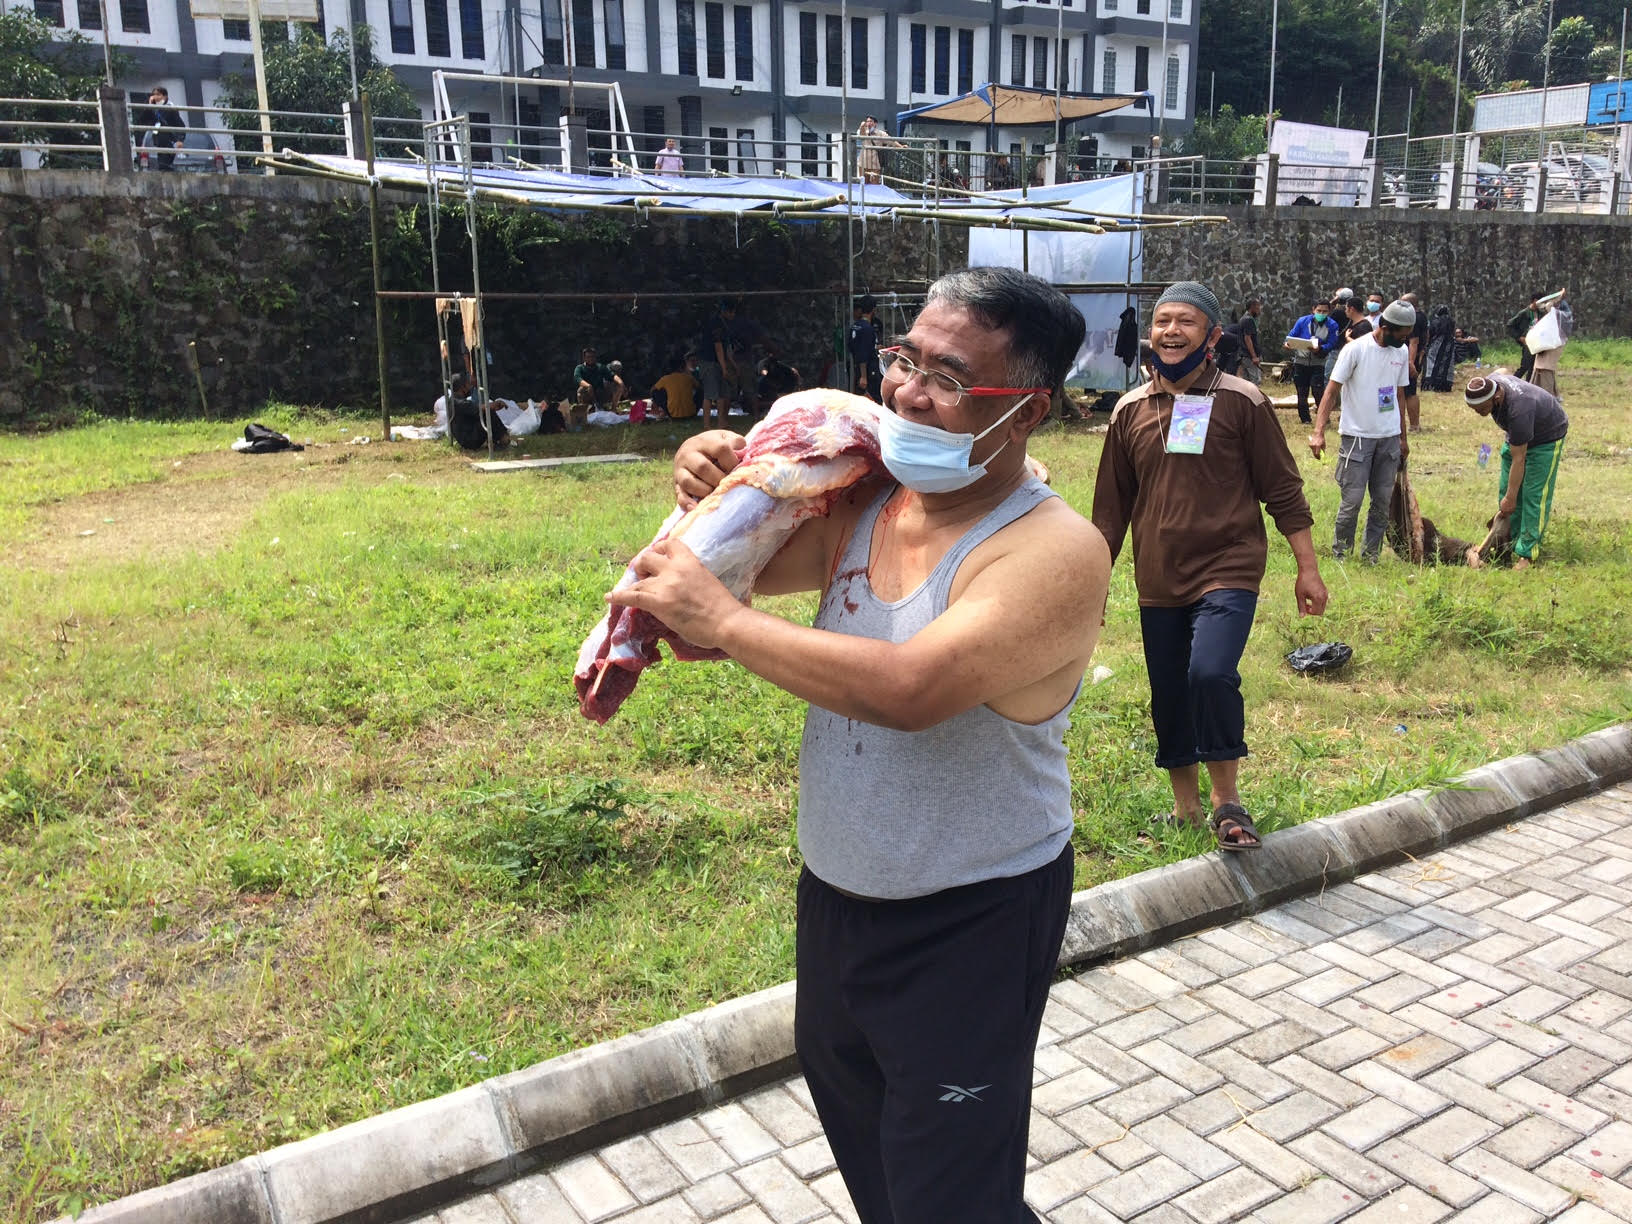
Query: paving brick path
[1448,1040]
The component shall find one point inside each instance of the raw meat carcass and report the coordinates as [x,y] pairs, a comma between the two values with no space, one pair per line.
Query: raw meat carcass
[811,448]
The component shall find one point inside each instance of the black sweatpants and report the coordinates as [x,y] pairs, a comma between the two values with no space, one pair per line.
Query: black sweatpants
[916,1024]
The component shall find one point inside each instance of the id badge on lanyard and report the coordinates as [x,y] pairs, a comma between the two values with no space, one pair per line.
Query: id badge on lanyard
[1187,431]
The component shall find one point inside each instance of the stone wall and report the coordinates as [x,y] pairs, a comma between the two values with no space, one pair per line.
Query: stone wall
[1484,266]
[104,281]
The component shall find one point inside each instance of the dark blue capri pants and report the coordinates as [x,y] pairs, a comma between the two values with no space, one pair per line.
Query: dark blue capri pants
[1192,655]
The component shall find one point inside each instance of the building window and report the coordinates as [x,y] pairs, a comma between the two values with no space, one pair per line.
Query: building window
[1039,63]
[232,31]
[966,61]
[1142,7]
[834,29]
[744,16]
[919,40]
[1175,10]
[685,23]
[529,118]
[653,119]
[807,48]
[90,16]
[481,136]
[471,41]
[133,17]
[554,46]
[49,11]
[719,149]
[1017,59]
[1110,6]
[691,118]
[1170,97]
[1141,69]
[436,28]
[617,55]
[1107,71]
[809,150]
[943,60]
[402,27]
[583,33]
[714,40]
[858,53]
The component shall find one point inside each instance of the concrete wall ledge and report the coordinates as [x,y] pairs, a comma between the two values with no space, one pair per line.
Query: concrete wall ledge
[437,1151]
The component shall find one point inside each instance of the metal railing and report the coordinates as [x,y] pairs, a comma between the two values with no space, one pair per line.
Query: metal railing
[1581,168]
[50,132]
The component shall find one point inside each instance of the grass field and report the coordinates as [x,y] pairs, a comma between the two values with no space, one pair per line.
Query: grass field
[299,821]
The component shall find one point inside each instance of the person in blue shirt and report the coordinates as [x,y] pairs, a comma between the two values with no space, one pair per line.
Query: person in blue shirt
[1309,364]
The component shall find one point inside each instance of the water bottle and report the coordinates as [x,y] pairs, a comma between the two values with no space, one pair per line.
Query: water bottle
[1484,455]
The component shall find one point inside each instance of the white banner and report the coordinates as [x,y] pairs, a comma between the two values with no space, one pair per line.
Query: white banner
[1065,258]
[1319,165]
[1080,259]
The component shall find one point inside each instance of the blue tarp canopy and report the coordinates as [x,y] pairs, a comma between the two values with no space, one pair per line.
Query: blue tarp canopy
[1015,106]
[556,189]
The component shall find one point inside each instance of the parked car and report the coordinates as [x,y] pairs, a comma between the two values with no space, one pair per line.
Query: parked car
[200,154]
[1577,177]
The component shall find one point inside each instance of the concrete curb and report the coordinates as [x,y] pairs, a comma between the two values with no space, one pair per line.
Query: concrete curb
[425,1155]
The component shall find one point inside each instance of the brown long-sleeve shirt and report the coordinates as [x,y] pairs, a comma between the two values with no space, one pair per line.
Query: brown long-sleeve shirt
[1197,526]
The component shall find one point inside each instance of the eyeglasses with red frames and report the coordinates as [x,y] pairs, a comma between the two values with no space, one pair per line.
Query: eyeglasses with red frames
[943,390]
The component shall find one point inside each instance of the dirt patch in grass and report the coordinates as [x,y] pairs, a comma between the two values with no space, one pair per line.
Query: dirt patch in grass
[199,506]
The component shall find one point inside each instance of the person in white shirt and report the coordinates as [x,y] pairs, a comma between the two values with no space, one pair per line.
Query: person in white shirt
[1370,376]
[670,161]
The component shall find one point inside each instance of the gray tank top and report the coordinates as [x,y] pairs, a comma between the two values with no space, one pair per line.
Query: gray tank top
[896,814]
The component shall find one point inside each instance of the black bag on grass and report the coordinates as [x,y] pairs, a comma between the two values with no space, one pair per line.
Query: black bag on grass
[1321,657]
[264,441]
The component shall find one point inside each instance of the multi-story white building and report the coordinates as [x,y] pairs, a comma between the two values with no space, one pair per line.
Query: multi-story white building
[746,85]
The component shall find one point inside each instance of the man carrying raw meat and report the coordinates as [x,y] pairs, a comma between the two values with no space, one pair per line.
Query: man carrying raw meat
[960,605]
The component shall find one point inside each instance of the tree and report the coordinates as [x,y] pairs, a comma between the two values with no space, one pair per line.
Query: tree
[1225,136]
[307,74]
[1571,46]
[41,62]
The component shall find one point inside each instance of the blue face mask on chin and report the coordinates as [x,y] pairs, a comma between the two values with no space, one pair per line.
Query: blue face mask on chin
[1173,371]
[929,460]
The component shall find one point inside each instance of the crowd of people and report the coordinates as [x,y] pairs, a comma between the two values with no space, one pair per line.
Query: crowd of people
[732,367]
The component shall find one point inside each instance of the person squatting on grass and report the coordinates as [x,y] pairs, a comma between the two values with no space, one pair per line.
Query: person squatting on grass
[1371,377]
[1535,425]
[1188,458]
[960,605]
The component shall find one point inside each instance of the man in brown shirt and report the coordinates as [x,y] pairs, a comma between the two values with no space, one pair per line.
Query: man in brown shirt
[1188,459]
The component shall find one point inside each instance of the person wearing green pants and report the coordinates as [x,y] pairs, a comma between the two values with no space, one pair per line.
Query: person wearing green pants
[1535,424]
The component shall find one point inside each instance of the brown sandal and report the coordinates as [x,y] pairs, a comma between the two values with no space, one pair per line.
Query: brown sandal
[1234,828]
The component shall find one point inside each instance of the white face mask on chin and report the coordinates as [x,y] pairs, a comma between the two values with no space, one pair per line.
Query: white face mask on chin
[929,460]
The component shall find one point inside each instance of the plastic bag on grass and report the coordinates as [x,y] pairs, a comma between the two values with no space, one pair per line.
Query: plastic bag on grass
[1320,658]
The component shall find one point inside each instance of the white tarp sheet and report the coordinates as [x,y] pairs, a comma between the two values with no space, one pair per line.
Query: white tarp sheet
[1080,259]
[1097,366]
[1322,164]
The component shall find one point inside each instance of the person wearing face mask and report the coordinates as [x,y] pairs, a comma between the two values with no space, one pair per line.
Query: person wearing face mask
[1320,333]
[1370,378]
[1189,459]
[960,603]
[1340,316]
